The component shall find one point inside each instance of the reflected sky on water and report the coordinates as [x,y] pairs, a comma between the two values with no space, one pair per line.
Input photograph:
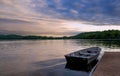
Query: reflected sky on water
[45,57]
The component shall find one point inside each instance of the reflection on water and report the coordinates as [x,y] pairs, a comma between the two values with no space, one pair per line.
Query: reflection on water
[103,43]
[78,67]
[45,57]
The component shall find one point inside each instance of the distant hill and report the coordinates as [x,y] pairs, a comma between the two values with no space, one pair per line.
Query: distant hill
[19,37]
[108,34]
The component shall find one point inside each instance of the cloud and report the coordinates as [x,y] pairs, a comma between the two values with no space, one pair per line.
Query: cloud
[2,20]
[53,27]
[54,17]
[95,11]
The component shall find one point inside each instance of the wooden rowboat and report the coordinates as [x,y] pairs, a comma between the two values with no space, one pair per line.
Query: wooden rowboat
[85,56]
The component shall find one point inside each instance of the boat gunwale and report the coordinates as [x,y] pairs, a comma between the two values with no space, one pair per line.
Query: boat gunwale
[77,52]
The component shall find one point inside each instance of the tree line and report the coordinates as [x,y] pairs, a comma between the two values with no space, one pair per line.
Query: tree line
[107,34]
[30,37]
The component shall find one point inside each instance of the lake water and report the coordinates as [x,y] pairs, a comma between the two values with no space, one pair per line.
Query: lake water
[45,57]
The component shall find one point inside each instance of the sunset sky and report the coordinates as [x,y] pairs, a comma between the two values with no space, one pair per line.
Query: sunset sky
[58,17]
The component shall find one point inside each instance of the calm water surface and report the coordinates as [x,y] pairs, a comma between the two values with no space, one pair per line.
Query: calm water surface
[44,57]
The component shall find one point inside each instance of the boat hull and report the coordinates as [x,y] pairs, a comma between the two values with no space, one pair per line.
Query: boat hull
[80,67]
[83,57]
[80,61]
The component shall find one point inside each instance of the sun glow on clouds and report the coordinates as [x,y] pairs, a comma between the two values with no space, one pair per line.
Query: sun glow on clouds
[58,17]
[80,27]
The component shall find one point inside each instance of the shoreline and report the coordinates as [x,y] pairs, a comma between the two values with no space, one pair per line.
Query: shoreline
[99,60]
